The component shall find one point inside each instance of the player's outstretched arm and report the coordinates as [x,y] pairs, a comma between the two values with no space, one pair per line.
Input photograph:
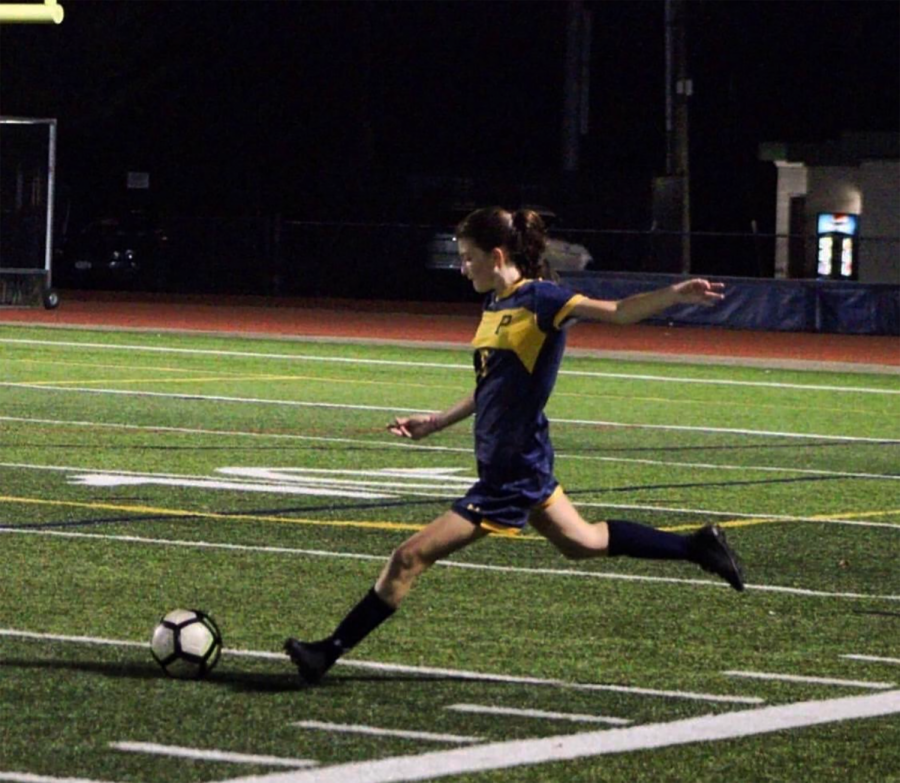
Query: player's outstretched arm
[640,306]
[417,427]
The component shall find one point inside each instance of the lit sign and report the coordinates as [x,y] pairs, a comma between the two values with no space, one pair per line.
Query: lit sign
[838,223]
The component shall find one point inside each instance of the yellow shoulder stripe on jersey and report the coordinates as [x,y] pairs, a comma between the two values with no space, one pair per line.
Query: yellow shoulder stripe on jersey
[567,308]
[514,330]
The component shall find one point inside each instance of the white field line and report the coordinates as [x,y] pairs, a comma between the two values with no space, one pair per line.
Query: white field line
[446,366]
[732,514]
[872,658]
[15,633]
[423,671]
[28,777]
[567,572]
[461,674]
[724,430]
[396,443]
[811,680]
[295,481]
[481,709]
[504,755]
[200,754]
[659,579]
[211,398]
[347,728]
[400,408]
[726,467]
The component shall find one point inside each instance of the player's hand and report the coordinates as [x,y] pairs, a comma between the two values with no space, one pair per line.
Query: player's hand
[700,292]
[415,427]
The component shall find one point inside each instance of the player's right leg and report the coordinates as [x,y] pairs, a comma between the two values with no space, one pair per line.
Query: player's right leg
[445,535]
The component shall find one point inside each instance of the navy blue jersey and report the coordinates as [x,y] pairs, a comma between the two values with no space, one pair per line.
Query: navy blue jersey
[518,349]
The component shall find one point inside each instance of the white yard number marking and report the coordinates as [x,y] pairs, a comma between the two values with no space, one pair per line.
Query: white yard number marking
[365,484]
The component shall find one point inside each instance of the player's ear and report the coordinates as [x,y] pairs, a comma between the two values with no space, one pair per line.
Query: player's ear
[498,257]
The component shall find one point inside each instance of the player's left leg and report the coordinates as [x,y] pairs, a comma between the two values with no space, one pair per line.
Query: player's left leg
[561,524]
[445,535]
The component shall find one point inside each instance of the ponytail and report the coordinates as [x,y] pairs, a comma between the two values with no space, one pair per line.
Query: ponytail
[522,233]
[529,244]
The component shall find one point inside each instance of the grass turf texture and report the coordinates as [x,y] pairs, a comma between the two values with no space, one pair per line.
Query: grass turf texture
[65,702]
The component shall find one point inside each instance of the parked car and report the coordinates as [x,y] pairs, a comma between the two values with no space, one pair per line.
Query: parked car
[128,251]
[561,255]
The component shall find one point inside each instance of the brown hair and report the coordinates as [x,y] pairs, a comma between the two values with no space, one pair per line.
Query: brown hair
[522,233]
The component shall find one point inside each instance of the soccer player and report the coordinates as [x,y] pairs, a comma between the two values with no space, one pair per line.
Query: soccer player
[518,348]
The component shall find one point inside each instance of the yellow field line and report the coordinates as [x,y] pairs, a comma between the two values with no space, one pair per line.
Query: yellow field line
[371,525]
[179,512]
[93,365]
[233,378]
[775,520]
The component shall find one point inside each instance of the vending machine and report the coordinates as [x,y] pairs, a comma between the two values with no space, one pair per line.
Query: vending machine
[838,243]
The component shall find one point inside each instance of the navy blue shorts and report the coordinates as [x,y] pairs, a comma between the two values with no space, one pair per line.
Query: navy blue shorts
[505,509]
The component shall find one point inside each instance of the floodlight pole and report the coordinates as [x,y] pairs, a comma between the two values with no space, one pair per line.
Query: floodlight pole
[576,85]
[679,89]
[31,13]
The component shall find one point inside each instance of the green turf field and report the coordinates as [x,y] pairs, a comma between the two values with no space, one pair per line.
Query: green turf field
[255,480]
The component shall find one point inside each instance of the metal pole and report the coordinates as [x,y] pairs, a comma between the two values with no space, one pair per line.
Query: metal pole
[51,193]
[676,28]
[670,156]
[584,93]
[571,91]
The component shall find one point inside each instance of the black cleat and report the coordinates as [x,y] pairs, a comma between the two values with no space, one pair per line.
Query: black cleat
[711,552]
[312,659]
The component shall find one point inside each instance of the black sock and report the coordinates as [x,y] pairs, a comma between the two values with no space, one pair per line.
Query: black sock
[360,621]
[634,540]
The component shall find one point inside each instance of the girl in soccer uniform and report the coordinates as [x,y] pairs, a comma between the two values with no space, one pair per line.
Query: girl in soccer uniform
[518,349]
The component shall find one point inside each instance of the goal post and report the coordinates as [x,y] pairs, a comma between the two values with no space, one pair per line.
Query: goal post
[48,12]
[27,185]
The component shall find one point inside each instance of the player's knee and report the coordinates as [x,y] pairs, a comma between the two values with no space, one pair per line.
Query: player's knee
[406,561]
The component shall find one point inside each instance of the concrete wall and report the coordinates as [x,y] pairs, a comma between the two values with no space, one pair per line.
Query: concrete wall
[880,185]
[792,181]
[832,189]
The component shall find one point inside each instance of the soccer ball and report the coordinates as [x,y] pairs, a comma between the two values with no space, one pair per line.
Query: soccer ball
[186,643]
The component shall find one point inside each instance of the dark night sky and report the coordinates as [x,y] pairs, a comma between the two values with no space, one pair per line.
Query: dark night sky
[309,108]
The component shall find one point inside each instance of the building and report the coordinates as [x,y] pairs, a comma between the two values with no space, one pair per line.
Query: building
[838,208]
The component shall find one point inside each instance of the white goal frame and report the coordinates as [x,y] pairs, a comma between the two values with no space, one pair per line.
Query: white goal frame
[47,271]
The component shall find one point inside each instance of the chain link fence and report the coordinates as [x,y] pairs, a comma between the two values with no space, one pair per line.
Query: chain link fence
[275,256]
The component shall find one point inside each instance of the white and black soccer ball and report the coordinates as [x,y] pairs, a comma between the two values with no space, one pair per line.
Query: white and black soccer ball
[186,643]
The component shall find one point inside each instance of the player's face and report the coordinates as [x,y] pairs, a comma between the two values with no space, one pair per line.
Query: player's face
[477,265]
